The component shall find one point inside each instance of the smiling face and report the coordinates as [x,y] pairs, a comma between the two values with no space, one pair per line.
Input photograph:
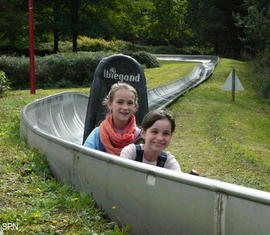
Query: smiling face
[158,136]
[122,107]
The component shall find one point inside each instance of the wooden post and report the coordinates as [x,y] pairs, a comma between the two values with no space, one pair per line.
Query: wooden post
[233,85]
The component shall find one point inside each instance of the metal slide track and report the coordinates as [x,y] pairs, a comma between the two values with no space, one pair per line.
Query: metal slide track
[152,200]
[162,96]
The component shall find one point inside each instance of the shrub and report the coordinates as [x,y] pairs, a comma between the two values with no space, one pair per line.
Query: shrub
[90,44]
[68,69]
[52,70]
[16,69]
[262,67]
[4,83]
[62,69]
[94,44]
[146,59]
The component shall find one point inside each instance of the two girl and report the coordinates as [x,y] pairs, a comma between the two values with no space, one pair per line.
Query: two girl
[117,133]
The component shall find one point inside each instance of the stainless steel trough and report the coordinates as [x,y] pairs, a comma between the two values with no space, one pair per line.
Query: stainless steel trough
[152,200]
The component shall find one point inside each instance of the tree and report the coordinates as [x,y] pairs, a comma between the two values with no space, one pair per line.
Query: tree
[167,21]
[13,30]
[84,16]
[50,20]
[213,25]
[255,24]
[131,19]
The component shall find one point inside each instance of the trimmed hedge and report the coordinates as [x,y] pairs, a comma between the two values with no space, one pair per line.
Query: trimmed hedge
[63,69]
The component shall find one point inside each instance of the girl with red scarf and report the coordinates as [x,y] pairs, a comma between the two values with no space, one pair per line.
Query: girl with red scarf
[119,128]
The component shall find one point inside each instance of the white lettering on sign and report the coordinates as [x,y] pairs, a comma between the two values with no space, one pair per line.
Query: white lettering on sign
[112,74]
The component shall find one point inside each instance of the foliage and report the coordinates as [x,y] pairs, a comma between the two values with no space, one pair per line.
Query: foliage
[146,59]
[255,24]
[4,83]
[16,69]
[182,23]
[213,26]
[133,19]
[13,32]
[95,44]
[168,24]
[60,20]
[62,69]
[261,66]
[67,70]
[230,27]
[50,70]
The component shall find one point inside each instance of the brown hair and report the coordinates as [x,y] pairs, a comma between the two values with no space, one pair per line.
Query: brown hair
[116,87]
[155,115]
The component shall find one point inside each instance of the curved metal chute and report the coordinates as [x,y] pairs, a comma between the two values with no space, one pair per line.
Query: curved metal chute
[161,97]
[152,200]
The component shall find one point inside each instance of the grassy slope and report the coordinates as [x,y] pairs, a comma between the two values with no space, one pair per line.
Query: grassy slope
[168,72]
[222,140]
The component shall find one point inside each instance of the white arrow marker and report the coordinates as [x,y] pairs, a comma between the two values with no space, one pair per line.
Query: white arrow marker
[228,85]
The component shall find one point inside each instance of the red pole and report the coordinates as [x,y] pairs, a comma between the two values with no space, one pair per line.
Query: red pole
[31,47]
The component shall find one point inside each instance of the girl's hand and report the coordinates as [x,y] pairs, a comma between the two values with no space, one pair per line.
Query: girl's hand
[194,172]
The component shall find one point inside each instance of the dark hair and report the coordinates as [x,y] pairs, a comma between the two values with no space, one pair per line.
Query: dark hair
[155,115]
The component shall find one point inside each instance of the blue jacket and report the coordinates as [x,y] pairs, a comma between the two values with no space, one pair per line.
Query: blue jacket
[93,140]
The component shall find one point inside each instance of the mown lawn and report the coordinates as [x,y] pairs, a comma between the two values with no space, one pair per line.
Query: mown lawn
[168,72]
[223,140]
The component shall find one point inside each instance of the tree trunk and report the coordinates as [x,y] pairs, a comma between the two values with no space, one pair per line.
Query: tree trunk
[75,4]
[74,41]
[133,44]
[56,15]
[55,41]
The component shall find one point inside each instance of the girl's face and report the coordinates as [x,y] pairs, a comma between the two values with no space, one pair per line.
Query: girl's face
[158,136]
[122,107]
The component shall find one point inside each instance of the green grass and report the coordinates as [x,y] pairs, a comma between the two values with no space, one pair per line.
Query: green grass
[223,140]
[168,72]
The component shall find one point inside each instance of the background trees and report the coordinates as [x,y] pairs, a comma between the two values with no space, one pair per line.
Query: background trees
[228,27]
[131,20]
[212,25]
[13,23]
[167,22]
[255,24]
[231,28]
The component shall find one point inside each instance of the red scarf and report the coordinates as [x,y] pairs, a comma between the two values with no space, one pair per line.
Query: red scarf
[114,141]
